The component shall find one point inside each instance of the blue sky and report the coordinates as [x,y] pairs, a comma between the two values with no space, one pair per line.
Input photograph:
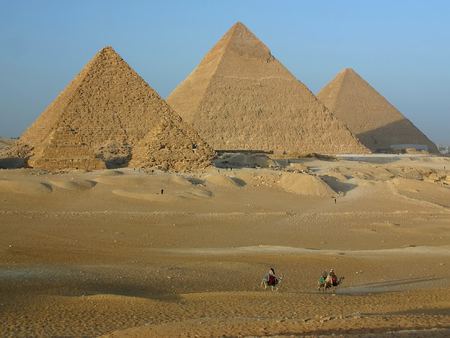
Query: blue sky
[401,47]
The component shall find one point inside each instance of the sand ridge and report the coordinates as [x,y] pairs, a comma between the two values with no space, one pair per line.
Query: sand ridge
[306,185]
[106,253]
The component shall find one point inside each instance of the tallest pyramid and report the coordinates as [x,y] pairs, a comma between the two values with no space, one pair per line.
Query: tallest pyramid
[241,97]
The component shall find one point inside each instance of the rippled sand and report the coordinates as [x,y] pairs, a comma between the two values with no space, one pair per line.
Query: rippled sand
[105,253]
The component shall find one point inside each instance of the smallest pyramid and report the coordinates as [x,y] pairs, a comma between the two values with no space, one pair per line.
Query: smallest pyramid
[172,144]
[370,116]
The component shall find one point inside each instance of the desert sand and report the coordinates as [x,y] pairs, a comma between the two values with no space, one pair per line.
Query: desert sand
[105,253]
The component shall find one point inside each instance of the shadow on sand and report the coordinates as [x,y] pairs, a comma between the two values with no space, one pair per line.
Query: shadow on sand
[337,185]
[64,281]
[385,286]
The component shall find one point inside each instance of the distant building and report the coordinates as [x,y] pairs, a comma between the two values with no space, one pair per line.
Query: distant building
[445,150]
[400,148]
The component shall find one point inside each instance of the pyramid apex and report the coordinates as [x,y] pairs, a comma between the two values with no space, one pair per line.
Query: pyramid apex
[239,28]
[108,50]
[239,25]
[108,54]
[348,70]
[349,73]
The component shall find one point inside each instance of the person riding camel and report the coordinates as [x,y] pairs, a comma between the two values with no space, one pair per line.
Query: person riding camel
[270,279]
[332,277]
[323,277]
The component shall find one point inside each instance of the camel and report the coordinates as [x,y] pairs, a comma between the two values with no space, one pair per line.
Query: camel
[328,284]
[265,283]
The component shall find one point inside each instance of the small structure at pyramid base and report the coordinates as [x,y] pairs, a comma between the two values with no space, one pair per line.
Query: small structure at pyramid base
[62,164]
[157,149]
[69,154]
[71,157]
[375,121]
[106,117]
[409,148]
[13,155]
[240,97]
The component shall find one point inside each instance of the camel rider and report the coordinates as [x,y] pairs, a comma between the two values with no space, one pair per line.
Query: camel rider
[332,277]
[323,277]
[271,278]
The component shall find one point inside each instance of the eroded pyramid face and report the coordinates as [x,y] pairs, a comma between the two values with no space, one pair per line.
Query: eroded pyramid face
[103,116]
[241,97]
[376,122]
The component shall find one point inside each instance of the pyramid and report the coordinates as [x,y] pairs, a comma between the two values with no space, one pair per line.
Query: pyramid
[241,98]
[102,115]
[376,122]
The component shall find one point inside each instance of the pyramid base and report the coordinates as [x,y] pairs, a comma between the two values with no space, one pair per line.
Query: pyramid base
[62,164]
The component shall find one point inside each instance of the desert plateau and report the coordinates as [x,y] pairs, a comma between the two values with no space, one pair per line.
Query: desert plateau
[104,253]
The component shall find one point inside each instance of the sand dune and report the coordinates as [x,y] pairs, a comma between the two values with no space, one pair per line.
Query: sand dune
[224,181]
[265,249]
[137,179]
[151,197]
[24,187]
[73,184]
[105,253]
[109,172]
[180,180]
[123,180]
[196,193]
[423,191]
[168,195]
[269,317]
[304,184]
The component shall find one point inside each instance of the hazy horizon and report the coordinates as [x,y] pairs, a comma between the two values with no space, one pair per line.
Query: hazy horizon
[399,48]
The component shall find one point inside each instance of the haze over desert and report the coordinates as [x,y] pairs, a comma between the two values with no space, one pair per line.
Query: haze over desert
[244,205]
